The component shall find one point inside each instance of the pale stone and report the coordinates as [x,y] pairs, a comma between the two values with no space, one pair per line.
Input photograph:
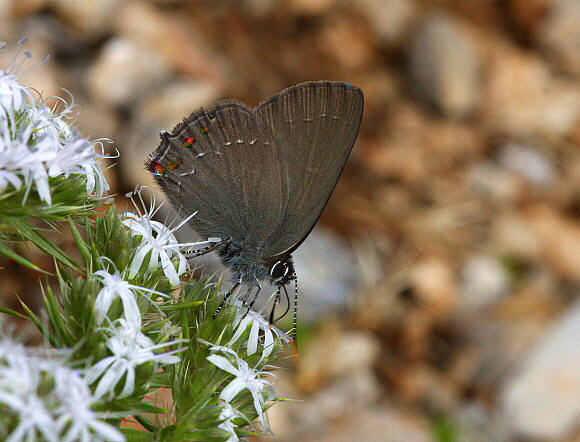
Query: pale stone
[125,72]
[446,66]
[542,399]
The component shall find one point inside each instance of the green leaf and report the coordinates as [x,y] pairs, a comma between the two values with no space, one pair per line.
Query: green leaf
[176,307]
[36,321]
[54,313]
[45,245]
[11,312]
[81,244]
[11,254]
[136,435]
[444,430]
[148,408]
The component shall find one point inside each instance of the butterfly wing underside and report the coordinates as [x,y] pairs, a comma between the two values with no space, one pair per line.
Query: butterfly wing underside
[222,163]
[315,125]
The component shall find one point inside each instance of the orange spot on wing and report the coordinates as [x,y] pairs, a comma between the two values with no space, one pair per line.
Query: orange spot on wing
[158,169]
[189,142]
[204,130]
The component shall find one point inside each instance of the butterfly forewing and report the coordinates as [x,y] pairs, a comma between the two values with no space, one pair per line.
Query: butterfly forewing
[223,163]
[315,125]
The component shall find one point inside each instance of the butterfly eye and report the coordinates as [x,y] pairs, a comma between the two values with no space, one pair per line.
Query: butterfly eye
[278,270]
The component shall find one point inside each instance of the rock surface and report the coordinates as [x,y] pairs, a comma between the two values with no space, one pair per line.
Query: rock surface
[125,72]
[542,399]
[445,66]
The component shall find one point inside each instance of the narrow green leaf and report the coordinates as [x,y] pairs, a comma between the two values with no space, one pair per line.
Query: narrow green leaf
[12,312]
[36,321]
[149,408]
[11,254]
[55,314]
[136,436]
[81,244]
[145,423]
[45,245]
[175,307]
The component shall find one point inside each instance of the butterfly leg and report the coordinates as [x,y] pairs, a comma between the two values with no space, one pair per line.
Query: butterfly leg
[227,295]
[254,298]
[287,305]
[214,244]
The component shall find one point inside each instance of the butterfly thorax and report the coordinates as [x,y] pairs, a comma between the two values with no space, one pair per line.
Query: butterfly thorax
[249,264]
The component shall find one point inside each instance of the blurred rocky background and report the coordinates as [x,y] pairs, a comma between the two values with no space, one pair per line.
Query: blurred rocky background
[441,296]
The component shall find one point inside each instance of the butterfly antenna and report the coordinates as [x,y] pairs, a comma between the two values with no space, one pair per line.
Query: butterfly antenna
[294,318]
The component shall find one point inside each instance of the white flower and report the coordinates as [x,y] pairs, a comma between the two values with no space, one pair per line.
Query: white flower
[96,180]
[33,418]
[71,157]
[170,329]
[17,156]
[12,94]
[246,378]
[228,414]
[161,242]
[38,144]
[9,177]
[245,318]
[61,413]
[19,381]
[75,419]
[74,155]
[130,348]
[114,286]
[17,375]
[48,121]
[78,157]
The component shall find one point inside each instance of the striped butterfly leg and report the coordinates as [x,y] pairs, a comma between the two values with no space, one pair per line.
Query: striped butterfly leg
[214,243]
[251,304]
[227,295]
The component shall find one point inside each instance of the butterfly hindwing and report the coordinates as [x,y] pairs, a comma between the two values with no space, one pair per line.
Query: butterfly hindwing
[315,125]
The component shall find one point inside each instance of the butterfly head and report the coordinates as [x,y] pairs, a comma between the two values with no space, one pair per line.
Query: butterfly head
[281,270]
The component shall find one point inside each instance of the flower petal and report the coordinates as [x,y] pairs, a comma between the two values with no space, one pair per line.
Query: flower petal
[169,269]
[142,251]
[253,339]
[223,363]
[268,343]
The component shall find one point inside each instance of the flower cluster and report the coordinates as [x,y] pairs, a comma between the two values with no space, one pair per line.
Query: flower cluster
[122,323]
[246,378]
[255,321]
[42,398]
[158,240]
[36,143]
[130,348]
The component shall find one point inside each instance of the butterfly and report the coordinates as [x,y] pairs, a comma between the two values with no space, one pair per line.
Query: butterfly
[259,178]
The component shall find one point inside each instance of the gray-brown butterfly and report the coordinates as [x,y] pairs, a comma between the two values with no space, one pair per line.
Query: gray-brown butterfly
[260,177]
